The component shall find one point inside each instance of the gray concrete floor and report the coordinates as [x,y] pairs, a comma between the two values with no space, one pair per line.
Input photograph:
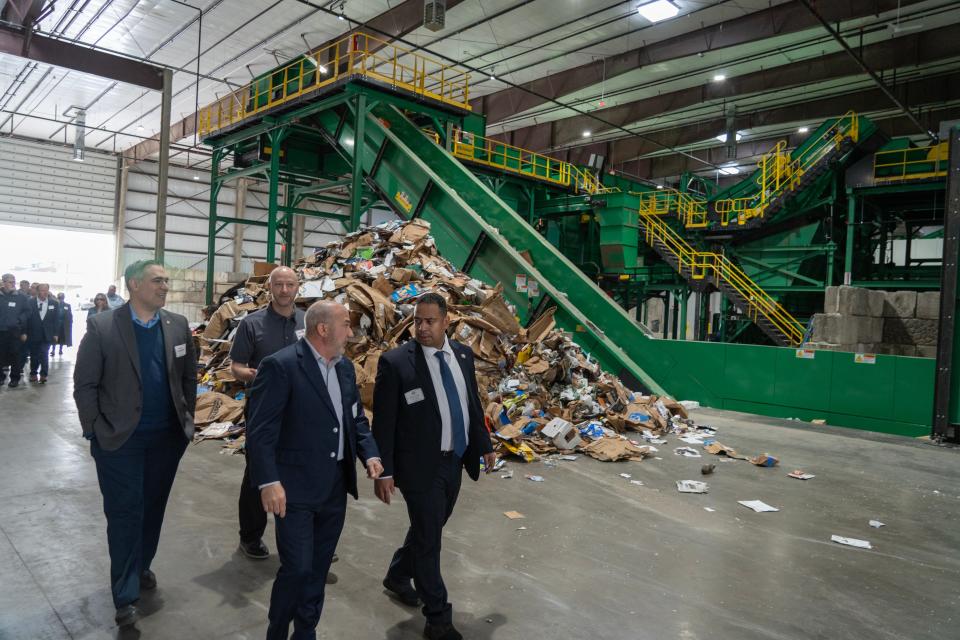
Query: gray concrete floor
[599,557]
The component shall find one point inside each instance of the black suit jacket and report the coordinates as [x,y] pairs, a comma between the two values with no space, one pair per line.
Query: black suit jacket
[290,424]
[106,378]
[45,330]
[408,435]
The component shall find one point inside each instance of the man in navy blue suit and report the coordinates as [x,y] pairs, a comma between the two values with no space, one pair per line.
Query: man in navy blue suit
[43,330]
[428,423]
[304,427]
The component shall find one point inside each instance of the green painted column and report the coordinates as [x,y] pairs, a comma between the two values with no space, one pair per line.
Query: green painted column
[851,230]
[215,184]
[276,139]
[356,182]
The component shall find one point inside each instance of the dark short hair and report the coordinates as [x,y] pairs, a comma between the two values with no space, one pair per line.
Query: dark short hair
[135,270]
[434,298]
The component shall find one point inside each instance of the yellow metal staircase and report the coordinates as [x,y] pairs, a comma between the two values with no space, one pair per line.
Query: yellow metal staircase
[716,269]
[779,175]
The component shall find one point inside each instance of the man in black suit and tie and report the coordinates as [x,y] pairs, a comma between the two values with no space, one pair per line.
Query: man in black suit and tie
[135,385]
[43,330]
[428,424]
[304,427]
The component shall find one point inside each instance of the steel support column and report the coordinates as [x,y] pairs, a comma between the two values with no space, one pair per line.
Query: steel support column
[240,210]
[287,231]
[356,184]
[277,137]
[160,235]
[946,402]
[684,303]
[121,218]
[851,231]
[215,184]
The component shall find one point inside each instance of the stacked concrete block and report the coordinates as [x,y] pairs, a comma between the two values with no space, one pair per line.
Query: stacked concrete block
[187,295]
[900,304]
[900,323]
[928,305]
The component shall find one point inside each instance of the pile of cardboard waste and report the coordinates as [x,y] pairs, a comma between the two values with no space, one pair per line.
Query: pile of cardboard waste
[543,393]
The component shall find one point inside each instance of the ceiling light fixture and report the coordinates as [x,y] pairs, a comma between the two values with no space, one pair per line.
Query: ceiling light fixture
[803,129]
[723,137]
[719,77]
[658,10]
[586,134]
[731,170]
[659,186]
[196,177]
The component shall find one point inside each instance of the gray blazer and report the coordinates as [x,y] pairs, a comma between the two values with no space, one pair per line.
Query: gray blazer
[106,378]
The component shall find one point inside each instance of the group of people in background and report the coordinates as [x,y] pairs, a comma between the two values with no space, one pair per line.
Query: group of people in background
[36,325]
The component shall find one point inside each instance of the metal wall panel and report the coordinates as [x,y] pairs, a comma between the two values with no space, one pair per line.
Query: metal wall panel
[42,185]
[188,205]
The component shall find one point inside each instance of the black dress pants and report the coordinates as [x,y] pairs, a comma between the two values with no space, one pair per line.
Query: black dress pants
[253,519]
[419,557]
[10,347]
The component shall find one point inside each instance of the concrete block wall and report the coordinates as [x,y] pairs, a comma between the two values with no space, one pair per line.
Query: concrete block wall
[188,290]
[903,323]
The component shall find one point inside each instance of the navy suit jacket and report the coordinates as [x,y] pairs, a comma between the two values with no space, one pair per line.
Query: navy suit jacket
[290,424]
[408,435]
[44,330]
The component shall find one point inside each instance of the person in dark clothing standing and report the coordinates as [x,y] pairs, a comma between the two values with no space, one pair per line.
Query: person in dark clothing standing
[65,324]
[135,385]
[13,330]
[261,334]
[428,424]
[42,331]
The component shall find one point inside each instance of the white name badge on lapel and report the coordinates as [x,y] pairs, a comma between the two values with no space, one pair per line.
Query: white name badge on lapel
[180,350]
[414,396]
[11,304]
[299,334]
[356,409]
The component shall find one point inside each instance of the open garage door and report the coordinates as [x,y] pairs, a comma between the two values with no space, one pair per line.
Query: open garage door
[43,185]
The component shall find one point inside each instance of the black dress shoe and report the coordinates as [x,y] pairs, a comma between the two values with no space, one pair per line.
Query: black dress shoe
[148,580]
[127,616]
[14,384]
[255,550]
[402,592]
[335,557]
[441,632]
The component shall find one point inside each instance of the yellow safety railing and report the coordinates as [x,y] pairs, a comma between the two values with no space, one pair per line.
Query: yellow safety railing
[506,157]
[911,164]
[355,55]
[691,211]
[704,263]
[779,172]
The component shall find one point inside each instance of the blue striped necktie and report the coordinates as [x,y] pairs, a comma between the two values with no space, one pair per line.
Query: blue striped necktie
[456,411]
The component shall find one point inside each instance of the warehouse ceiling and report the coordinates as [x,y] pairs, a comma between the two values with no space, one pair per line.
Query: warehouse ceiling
[566,77]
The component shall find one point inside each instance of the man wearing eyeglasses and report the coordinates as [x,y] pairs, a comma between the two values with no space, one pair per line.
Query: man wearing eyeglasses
[135,385]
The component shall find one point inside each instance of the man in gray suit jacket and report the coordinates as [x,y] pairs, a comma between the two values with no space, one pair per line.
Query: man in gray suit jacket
[135,388]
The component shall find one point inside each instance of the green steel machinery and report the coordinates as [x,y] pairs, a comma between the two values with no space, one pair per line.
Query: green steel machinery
[394,130]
